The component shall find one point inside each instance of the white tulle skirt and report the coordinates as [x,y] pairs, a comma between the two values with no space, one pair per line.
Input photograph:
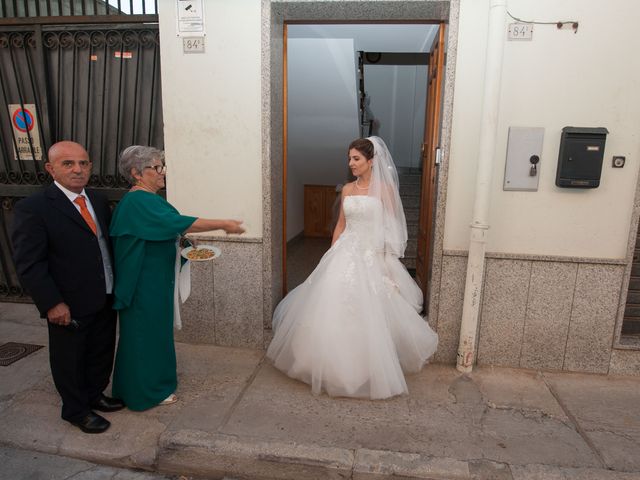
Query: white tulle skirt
[353,327]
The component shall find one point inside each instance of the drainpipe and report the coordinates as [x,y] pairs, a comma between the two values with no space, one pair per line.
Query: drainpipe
[480,222]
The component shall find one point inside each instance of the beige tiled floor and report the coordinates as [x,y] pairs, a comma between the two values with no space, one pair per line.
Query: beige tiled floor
[302,257]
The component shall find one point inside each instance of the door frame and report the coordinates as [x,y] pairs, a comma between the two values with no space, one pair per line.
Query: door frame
[429,111]
[274,17]
[430,147]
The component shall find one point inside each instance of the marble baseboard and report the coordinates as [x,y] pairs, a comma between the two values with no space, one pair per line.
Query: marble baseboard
[539,314]
[504,308]
[625,362]
[226,302]
[450,308]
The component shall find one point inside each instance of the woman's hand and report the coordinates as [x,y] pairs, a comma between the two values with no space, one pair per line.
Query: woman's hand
[233,226]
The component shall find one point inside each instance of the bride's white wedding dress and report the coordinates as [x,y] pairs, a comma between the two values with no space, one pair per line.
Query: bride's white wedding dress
[353,327]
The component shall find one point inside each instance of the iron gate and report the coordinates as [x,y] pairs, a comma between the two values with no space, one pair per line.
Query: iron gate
[98,85]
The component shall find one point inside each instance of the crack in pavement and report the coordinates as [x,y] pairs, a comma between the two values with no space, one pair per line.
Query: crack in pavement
[577,426]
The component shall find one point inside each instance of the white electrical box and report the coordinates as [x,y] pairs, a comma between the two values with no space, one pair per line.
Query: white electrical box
[524,158]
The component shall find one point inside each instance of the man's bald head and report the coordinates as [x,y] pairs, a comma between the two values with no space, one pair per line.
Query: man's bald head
[69,165]
[63,148]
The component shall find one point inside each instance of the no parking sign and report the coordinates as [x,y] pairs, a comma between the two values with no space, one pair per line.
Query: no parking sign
[25,124]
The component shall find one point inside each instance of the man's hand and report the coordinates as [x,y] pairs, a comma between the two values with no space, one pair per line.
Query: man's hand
[60,314]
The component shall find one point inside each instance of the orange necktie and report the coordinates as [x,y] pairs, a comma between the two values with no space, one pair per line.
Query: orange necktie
[84,211]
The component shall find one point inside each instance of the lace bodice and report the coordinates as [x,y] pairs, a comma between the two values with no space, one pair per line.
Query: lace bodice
[361,213]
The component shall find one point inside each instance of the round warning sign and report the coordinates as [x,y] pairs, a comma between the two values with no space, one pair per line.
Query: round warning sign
[23,120]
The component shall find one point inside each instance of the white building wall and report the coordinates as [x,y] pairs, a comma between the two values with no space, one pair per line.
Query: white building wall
[558,79]
[212,114]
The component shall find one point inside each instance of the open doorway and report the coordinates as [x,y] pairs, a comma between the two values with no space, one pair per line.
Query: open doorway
[342,82]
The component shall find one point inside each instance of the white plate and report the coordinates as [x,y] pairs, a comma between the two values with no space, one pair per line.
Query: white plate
[215,250]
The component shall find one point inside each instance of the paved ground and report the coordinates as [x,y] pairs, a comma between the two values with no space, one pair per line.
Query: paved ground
[239,417]
[20,464]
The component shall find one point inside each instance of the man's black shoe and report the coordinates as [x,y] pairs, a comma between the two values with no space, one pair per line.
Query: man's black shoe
[107,404]
[92,423]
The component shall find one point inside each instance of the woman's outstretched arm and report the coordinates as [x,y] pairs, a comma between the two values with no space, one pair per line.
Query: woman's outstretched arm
[208,224]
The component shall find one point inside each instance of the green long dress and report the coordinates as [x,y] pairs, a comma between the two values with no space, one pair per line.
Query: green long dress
[144,229]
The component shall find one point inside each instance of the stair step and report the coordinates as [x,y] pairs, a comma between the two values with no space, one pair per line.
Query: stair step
[412,248]
[410,179]
[409,262]
[410,201]
[409,189]
[412,215]
[408,171]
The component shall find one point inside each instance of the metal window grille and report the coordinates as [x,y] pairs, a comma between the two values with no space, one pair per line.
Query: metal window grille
[60,8]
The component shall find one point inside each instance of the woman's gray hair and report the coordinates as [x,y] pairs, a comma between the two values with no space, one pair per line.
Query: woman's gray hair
[136,157]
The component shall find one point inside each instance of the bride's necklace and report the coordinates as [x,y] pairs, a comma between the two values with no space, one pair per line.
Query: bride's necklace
[359,187]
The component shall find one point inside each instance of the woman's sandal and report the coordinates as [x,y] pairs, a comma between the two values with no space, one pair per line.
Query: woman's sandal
[170,400]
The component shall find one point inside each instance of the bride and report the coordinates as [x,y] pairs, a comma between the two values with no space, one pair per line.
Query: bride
[353,327]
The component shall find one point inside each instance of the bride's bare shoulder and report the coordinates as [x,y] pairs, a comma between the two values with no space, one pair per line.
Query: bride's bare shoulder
[348,189]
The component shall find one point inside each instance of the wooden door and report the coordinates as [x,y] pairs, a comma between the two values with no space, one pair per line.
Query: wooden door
[429,167]
[318,210]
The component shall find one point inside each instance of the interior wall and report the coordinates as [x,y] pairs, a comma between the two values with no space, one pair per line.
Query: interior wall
[323,103]
[398,97]
[212,114]
[322,117]
[559,78]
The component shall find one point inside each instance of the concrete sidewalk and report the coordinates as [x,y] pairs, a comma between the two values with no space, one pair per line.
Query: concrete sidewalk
[238,416]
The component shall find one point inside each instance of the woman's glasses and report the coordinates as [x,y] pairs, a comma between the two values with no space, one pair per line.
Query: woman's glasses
[160,169]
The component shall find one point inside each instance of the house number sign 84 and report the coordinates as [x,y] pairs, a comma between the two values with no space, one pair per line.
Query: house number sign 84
[520,31]
[193,44]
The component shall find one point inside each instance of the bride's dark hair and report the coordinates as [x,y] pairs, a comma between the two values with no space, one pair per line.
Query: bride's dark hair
[364,146]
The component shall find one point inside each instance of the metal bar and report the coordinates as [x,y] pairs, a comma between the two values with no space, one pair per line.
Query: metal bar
[36,98]
[135,93]
[15,8]
[153,92]
[118,136]
[72,7]
[14,190]
[6,260]
[95,7]
[8,154]
[48,8]
[104,99]
[37,8]
[144,7]
[155,4]
[21,100]
[3,6]
[86,129]
[59,98]
[46,117]
[131,6]
[119,7]
[73,88]
[79,19]
[21,96]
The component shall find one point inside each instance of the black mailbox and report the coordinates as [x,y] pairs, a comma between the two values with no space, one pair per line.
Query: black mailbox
[580,158]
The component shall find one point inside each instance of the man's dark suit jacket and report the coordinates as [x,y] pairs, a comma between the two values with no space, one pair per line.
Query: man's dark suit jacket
[56,254]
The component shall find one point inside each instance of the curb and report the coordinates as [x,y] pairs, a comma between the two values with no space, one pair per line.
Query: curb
[199,453]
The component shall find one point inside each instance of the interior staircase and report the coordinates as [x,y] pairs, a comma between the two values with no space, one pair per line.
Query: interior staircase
[410,180]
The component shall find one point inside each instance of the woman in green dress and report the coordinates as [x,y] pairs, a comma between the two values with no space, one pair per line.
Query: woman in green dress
[144,230]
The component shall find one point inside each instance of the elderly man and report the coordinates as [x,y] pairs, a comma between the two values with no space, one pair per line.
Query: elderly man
[62,256]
